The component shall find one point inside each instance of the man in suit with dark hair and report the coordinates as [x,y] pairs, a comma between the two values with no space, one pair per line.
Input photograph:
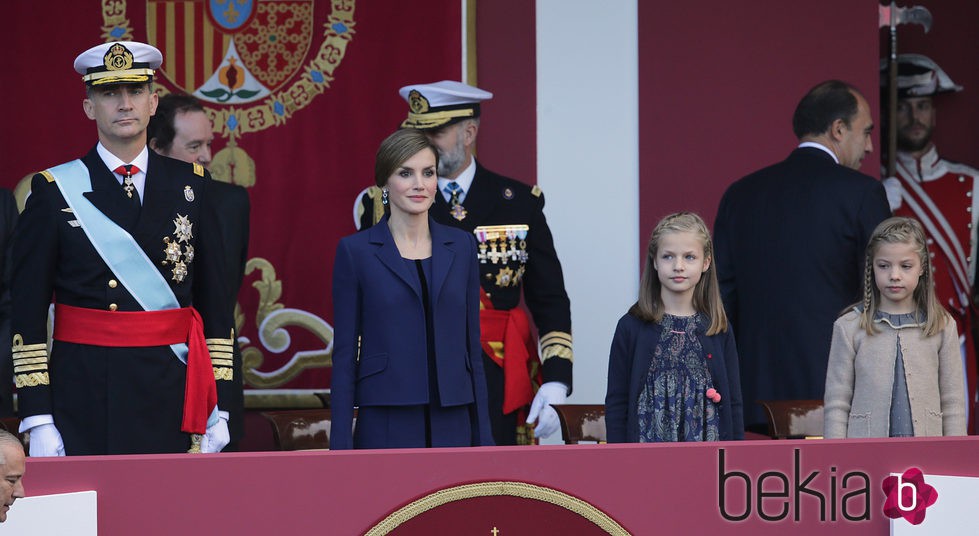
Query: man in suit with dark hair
[790,242]
[181,129]
[517,258]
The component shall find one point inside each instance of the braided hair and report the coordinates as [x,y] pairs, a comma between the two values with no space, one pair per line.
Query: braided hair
[901,230]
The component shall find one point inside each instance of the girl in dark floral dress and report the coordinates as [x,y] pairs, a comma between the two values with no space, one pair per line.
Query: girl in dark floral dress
[673,366]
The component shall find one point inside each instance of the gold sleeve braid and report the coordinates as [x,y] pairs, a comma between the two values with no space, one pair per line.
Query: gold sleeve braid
[556,344]
[30,363]
[221,351]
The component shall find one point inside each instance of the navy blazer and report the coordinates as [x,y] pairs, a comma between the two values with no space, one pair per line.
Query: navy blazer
[630,359]
[377,299]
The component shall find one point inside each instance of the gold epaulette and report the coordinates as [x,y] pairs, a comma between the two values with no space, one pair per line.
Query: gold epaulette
[48,176]
[536,191]
[556,344]
[374,193]
[30,363]
[198,169]
[222,352]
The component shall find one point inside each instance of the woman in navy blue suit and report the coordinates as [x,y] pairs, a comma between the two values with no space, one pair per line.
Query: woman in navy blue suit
[406,346]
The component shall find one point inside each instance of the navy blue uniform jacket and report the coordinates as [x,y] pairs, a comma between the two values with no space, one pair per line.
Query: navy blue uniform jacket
[377,298]
[628,365]
[115,400]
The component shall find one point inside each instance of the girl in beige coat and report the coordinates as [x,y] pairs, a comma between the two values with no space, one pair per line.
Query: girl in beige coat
[895,367]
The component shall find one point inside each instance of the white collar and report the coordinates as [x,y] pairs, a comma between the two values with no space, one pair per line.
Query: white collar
[817,145]
[112,161]
[929,165]
[465,180]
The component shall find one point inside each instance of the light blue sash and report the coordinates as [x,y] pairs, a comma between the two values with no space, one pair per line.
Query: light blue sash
[118,248]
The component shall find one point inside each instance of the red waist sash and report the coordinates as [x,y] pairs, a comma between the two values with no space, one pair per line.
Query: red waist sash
[150,328]
[512,329]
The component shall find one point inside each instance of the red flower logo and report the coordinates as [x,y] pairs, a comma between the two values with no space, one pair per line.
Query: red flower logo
[908,496]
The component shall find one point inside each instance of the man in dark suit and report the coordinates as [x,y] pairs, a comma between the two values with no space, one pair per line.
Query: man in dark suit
[181,129]
[790,242]
[141,359]
[516,254]
[8,218]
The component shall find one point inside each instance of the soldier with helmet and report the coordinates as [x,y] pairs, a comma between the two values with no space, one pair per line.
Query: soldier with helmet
[940,193]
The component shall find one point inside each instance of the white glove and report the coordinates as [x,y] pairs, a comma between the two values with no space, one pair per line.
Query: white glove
[541,410]
[46,441]
[893,189]
[216,437]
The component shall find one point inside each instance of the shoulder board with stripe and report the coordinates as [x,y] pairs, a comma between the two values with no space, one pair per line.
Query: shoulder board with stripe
[536,191]
[48,176]
[198,169]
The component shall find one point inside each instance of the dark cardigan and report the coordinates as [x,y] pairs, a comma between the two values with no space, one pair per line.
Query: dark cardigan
[629,360]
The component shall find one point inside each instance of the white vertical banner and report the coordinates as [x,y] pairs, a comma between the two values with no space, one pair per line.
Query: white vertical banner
[588,168]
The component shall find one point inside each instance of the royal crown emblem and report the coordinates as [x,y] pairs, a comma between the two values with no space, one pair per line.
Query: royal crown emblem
[253,63]
[417,102]
[118,58]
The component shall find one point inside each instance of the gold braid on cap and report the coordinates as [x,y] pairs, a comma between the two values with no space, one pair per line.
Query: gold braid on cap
[435,119]
[116,77]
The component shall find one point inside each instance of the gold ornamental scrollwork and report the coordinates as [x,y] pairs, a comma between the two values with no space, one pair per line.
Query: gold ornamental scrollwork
[272,318]
[521,490]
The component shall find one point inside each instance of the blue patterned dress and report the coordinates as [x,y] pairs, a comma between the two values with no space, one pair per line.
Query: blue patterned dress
[673,404]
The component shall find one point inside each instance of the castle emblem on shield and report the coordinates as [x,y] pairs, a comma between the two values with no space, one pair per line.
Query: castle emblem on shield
[252,63]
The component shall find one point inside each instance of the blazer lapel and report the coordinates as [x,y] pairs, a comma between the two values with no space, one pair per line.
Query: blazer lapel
[107,194]
[387,252]
[443,255]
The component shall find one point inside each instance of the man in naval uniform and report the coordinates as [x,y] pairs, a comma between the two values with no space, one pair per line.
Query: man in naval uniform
[141,357]
[940,193]
[181,129]
[516,253]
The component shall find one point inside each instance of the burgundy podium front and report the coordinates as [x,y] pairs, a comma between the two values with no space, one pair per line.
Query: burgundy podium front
[752,487]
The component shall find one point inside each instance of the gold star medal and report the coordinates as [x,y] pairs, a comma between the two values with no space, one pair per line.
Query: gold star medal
[172,250]
[179,271]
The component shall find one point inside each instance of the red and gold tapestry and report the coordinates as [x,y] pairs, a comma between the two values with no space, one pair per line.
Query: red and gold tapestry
[301,92]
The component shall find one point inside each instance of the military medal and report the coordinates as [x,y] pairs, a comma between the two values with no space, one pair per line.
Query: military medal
[180,257]
[458,212]
[179,271]
[172,250]
[189,194]
[505,277]
[184,229]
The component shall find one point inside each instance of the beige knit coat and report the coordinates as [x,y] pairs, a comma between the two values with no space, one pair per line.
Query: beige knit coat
[860,377]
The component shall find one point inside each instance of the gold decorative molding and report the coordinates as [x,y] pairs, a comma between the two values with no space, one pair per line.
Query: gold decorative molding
[272,318]
[498,488]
